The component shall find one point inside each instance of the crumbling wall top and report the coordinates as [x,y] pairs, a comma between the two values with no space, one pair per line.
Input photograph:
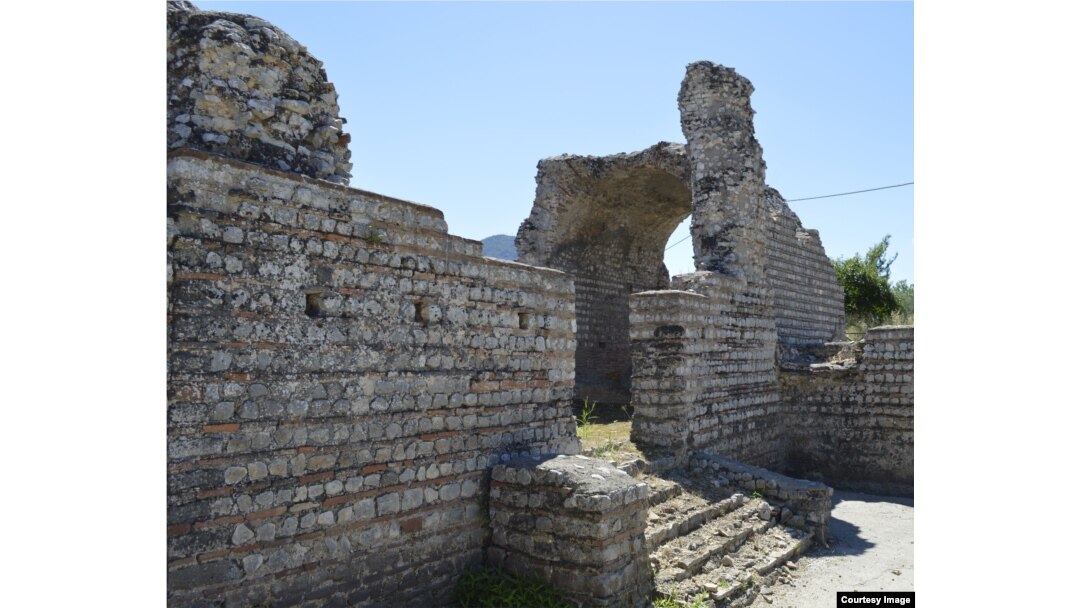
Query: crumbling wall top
[242,88]
[728,171]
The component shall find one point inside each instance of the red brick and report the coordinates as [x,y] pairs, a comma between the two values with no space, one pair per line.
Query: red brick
[221,521]
[337,500]
[316,476]
[221,428]
[177,530]
[266,513]
[412,525]
[212,555]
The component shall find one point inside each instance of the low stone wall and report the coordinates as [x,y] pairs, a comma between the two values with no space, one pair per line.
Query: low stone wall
[852,422]
[704,370]
[342,374]
[803,504]
[576,522]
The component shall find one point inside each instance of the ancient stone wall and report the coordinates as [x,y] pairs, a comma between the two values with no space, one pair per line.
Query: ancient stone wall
[704,370]
[851,421]
[605,221]
[576,522]
[807,299]
[345,378]
[242,88]
[342,374]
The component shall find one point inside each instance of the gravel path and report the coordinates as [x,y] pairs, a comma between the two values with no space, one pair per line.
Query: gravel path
[872,548]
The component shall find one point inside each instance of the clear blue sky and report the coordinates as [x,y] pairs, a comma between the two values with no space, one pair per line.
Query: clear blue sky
[452,104]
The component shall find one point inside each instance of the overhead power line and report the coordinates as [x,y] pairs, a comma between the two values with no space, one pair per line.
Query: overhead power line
[810,198]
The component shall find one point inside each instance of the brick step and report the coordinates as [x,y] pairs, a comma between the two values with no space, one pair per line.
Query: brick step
[739,575]
[682,505]
[686,555]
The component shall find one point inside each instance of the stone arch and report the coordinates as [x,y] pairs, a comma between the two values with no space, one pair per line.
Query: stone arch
[605,221]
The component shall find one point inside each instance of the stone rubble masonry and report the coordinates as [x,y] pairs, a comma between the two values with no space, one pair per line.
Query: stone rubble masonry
[605,221]
[242,88]
[809,502]
[727,172]
[576,522]
[704,370]
[851,422]
[342,374]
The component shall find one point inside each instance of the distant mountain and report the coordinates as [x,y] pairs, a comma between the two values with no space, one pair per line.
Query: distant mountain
[500,246]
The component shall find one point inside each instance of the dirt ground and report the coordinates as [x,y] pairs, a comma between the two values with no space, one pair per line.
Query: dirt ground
[871,548]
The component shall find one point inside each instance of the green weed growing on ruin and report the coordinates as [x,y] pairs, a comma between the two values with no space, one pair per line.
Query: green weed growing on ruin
[585,420]
[606,449]
[670,601]
[493,588]
[373,236]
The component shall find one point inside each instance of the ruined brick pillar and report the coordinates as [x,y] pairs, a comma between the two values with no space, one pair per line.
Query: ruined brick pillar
[728,173]
[575,522]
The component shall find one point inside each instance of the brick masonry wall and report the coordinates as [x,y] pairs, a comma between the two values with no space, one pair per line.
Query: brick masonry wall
[704,370]
[576,522]
[853,425]
[341,375]
[807,299]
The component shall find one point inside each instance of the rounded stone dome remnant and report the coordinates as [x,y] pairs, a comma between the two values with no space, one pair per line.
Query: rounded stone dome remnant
[240,87]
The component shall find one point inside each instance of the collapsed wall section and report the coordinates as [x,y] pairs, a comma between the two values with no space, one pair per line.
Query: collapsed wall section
[341,375]
[851,422]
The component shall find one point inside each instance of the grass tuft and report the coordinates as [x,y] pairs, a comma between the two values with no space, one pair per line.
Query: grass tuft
[492,588]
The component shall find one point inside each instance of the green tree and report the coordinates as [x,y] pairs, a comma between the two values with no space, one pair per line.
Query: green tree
[868,298]
[905,296]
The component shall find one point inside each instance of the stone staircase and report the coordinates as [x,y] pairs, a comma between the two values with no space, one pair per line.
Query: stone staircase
[709,538]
